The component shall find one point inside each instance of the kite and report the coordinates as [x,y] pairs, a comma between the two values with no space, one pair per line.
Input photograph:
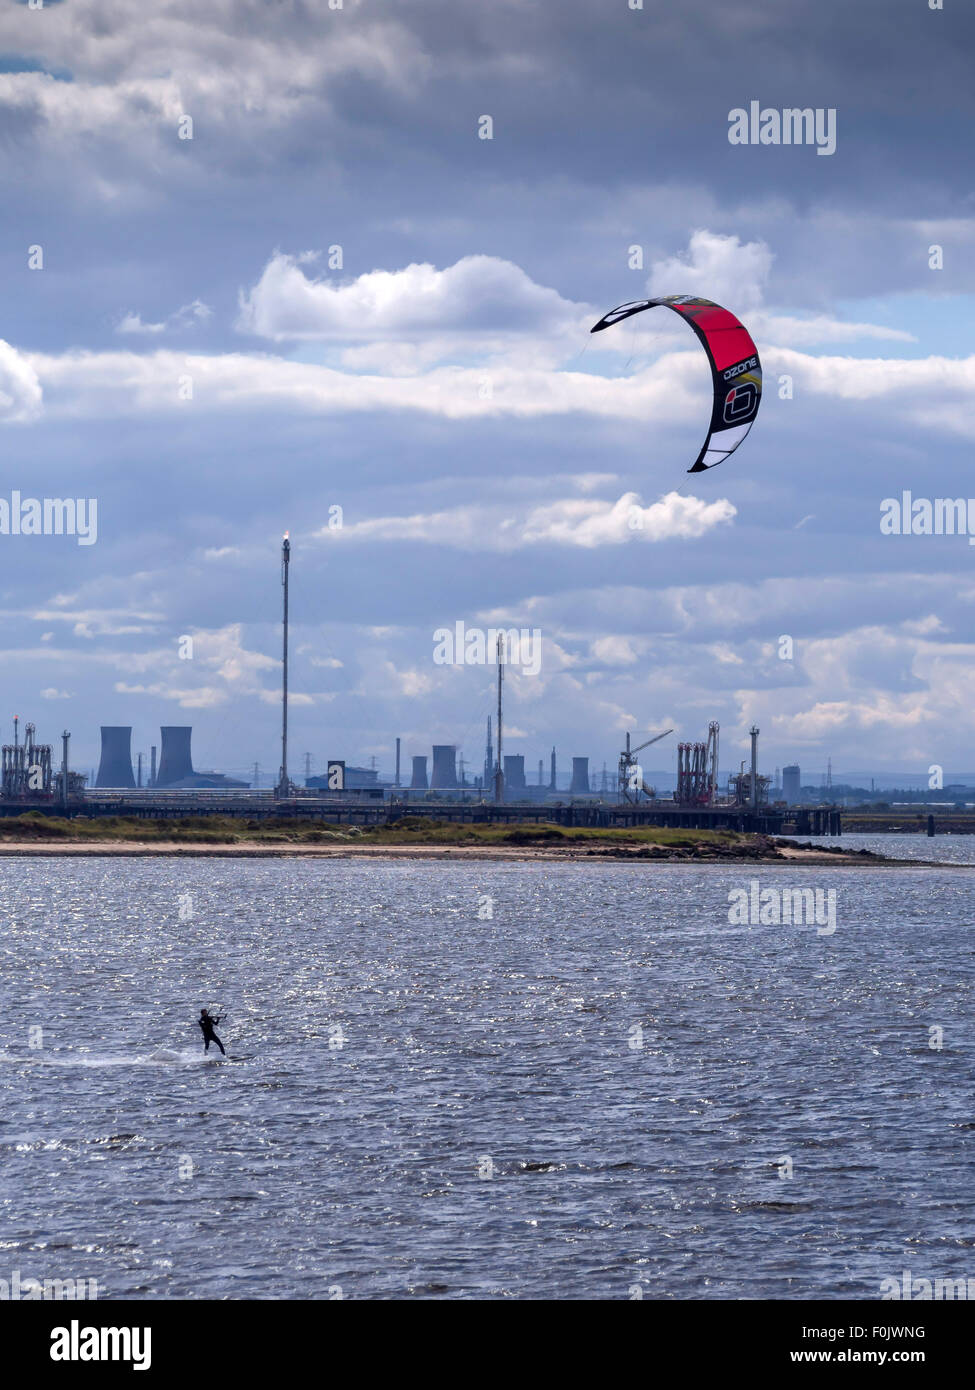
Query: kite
[736,372]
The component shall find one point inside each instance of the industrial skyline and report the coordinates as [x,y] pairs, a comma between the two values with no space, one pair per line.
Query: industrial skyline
[169,763]
[696,775]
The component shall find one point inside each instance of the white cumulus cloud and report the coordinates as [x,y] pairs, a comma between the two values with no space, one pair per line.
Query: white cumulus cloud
[20,388]
[718,267]
[477,295]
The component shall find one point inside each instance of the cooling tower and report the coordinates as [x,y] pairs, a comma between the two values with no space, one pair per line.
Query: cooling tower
[419,782]
[175,761]
[115,768]
[580,775]
[514,772]
[444,765]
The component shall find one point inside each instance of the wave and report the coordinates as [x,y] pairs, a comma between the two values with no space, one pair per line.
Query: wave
[161,1056]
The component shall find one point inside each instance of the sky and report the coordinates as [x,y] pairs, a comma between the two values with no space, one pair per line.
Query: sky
[262,271]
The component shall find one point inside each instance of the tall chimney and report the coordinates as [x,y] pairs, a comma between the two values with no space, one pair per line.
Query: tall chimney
[152,765]
[283,785]
[551,783]
[499,770]
[64,769]
[753,787]
[396,782]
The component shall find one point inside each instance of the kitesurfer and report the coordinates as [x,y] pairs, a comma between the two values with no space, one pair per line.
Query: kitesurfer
[207,1024]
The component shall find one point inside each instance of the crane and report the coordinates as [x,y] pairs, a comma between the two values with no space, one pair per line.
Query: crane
[628,768]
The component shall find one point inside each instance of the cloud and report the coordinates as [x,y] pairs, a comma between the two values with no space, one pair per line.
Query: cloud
[820,328]
[584,522]
[110,384]
[197,697]
[477,296]
[736,274]
[934,392]
[185,317]
[228,62]
[615,651]
[20,390]
[718,267]
[592,523]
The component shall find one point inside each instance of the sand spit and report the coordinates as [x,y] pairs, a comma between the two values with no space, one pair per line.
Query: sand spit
[764,851]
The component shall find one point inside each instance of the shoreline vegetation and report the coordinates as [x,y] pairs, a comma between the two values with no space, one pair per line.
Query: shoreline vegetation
[410,837]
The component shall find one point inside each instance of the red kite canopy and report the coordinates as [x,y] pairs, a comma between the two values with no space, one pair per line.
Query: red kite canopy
[736,371]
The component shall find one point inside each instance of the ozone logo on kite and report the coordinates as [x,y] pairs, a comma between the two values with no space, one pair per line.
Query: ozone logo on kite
[740,404]
[733,357]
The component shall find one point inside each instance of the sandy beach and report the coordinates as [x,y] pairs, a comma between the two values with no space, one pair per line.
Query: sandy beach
[766,853]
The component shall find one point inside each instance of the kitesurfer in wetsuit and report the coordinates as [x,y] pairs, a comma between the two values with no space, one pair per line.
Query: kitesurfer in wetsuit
[208,1023]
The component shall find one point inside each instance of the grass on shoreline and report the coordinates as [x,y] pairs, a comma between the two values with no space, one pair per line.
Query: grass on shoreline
[409,830]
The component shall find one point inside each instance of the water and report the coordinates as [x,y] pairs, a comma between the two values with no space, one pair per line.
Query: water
[482,1045]
[940,849]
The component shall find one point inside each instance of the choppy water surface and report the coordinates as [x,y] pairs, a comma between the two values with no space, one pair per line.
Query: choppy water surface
[472,1046]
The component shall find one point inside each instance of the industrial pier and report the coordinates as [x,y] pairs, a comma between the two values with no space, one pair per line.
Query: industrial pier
[367,809]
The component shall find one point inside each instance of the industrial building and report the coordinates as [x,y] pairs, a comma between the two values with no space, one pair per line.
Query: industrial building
[514,773]
[26,767]
[791,779]
[356,779]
